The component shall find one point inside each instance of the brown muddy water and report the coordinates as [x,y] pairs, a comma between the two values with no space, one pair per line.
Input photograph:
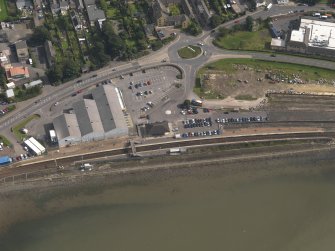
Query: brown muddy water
[275,205]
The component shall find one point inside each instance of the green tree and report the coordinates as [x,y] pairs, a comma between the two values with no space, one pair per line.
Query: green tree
[98,56]
[194,28]
[2,76]
[156,45]
[249,23]
[215,21]
[71,69]
[40,35]
[55,74]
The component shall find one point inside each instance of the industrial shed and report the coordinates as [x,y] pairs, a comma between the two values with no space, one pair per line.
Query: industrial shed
[96,118]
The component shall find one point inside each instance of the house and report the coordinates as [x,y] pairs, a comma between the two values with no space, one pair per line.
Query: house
[76,21]
[95,15]
[79,4]
[49,52]
[55,9]
[162,17]
[64,7]
[24,4]
[16,73]
[22,51]
[10,93]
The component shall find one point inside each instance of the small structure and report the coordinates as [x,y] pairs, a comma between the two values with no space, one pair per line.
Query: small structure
[33,84]
[10,93]
[22,51]
[10,85]
[277,44]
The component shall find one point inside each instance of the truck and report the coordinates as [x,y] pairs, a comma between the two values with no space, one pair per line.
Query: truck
[269,6]
[177,136]
[85,167]
[196,102]
[52,135]
[5,160]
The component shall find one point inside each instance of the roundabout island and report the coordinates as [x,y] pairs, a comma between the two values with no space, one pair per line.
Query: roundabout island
[190,51]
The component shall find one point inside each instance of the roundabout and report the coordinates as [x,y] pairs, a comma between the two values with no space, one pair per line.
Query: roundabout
[190,51]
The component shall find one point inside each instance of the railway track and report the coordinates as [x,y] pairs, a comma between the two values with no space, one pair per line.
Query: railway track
[49,166]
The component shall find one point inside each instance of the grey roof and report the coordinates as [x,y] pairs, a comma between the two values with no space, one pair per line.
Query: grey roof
[115,106]
[21,45]
[94,13]
[23,3]
[66,125]
[88,116]
[89,2]
[100,97]
[63,4]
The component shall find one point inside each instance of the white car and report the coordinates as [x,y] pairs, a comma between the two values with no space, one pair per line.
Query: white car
[201,44]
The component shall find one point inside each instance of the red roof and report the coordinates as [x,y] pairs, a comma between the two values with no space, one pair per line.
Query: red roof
[15,71]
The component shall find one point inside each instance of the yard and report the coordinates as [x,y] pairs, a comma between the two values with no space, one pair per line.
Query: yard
[245,40]
[17,129]
[249,79]
[188,52]
[3,10]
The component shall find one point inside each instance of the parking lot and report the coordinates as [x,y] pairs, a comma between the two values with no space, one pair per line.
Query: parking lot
[213,123]
[146,92]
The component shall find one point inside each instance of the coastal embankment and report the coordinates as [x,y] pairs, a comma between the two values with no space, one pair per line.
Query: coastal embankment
[53,194]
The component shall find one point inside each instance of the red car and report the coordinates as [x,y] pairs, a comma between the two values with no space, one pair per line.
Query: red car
[79,91]
[236,21]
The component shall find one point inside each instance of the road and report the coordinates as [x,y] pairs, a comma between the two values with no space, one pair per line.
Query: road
[189,67]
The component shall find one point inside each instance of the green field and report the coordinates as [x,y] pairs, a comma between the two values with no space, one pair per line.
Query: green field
[244,40]
[190,51]
[308,72]
[3,10]
[17,129]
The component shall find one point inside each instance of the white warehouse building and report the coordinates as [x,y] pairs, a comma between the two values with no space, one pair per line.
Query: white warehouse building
[100,117]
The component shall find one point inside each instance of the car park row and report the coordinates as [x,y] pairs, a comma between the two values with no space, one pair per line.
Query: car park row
[192,123]
[201,133]
[241,120]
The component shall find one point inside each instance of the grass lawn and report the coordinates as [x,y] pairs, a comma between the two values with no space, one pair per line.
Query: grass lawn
[16,129]
[3,10]
[112,13]
[190,51]
[244,40]
[308,72]
[5,141]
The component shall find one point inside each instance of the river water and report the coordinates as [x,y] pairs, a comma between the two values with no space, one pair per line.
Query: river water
[262,209]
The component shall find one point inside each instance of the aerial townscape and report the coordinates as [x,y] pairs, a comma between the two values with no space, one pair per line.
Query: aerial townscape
[92,88]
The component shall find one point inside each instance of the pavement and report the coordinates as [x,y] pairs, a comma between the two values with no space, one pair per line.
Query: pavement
[53,94]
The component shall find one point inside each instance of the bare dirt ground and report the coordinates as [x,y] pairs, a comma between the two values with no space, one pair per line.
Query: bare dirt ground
[248,83]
